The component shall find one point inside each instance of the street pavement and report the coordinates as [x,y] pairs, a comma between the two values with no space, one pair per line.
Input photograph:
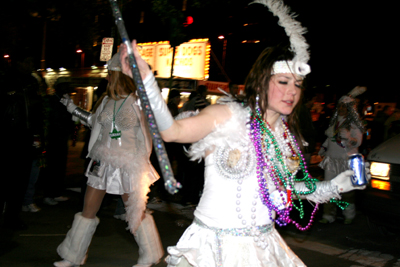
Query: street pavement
[112,245]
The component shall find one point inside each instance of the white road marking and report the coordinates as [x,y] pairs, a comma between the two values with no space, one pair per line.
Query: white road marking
[364,257]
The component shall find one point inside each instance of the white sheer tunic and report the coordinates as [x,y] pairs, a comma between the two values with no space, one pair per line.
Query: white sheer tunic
[117,164]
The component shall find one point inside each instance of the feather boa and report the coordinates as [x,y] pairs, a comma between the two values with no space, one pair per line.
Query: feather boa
[230,133]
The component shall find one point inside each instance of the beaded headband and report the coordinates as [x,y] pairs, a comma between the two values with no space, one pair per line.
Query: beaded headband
[300,68]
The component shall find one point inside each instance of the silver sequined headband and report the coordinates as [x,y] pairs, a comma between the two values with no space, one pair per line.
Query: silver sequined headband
[114,63]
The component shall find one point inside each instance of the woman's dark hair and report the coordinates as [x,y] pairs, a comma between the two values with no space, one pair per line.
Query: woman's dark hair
[257,83]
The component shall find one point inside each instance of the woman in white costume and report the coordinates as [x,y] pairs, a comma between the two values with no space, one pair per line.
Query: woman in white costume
[119,149]
[344,136]
[252,153]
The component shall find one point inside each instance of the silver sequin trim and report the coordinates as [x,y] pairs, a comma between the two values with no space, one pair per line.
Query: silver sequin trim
[242,232]
[244,166]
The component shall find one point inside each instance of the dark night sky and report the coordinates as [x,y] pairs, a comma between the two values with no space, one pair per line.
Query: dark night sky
[351,42]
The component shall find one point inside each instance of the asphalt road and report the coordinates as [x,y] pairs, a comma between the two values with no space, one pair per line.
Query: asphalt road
[336,244]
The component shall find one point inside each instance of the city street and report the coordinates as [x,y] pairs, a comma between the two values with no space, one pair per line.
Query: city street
[336,244]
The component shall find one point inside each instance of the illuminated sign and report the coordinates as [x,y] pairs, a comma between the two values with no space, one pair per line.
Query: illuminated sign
[192,59]
[106,49]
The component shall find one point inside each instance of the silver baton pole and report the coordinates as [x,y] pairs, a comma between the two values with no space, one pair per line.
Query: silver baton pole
[171,184]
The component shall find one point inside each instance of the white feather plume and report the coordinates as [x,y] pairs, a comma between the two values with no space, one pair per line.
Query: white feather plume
[358,90]
[293,28]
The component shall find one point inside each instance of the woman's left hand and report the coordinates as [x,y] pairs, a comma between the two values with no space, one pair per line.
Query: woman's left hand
[144,68]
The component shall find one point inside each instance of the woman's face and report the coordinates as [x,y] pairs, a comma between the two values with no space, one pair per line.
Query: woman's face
[284,93]
[342,110]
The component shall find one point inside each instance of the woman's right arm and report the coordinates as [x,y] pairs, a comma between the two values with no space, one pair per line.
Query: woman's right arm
[187,130]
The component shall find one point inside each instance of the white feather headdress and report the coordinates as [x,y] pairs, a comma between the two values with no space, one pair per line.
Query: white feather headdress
[294,31]
[350,97]
[358,90]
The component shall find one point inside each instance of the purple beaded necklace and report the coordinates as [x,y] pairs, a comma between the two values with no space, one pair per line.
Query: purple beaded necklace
[270,167]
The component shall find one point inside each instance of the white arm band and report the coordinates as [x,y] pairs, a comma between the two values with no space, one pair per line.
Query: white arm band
[160,109]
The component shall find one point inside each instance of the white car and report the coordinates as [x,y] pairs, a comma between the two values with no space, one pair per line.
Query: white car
[381,200]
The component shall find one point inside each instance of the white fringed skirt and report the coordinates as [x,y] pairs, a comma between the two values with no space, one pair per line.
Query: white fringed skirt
[205,247]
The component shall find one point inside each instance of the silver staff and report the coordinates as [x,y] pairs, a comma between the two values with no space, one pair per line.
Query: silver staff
[171,184]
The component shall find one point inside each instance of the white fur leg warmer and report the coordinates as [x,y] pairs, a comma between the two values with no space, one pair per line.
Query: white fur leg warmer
[148,239]
[76,243]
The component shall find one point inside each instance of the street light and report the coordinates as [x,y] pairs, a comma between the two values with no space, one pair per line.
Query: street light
[79,51]
[7,58]
[221,37]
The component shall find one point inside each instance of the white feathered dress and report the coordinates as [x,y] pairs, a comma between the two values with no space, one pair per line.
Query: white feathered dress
[230,204]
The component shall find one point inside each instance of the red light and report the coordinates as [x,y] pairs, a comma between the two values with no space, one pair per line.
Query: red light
[79,51]
[189,20]
[6,56]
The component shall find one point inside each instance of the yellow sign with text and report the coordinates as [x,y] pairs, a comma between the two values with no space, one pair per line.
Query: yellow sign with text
[191,60]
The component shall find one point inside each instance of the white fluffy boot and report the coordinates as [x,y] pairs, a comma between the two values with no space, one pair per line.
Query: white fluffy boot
[149,242]
[76,243]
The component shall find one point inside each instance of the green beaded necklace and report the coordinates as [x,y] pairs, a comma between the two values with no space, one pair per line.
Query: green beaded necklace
[115,134]
[269,139]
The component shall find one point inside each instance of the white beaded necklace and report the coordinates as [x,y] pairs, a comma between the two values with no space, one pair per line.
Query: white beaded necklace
[284,146]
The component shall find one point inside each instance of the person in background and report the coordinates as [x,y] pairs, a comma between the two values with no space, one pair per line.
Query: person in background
[191,96]
[233,89]
[20,109]
[119,150]
[344,136]
[174,98]
[199,101]
[59,130]
[38,143]
[307,130]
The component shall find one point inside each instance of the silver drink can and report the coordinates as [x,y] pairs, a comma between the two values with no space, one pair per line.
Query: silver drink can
[356,163]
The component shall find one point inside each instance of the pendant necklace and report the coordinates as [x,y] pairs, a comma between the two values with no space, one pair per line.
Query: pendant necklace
[115,134]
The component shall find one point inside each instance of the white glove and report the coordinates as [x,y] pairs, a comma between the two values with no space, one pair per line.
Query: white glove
[68,102]
[343,182]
